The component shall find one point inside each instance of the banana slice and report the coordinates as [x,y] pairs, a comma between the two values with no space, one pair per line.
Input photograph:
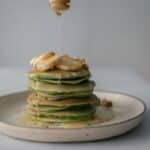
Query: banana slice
[70,64]
[44,62]
[51,60]
[37,59]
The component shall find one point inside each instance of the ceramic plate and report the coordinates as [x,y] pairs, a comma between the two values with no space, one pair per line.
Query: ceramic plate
[128,113]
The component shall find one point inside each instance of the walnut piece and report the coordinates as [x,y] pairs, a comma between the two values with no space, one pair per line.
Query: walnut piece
[106,103]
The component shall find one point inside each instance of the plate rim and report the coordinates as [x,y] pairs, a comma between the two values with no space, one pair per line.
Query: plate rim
[94,127]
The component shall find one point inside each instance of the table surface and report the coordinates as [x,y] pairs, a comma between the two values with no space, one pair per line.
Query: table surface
[107,78]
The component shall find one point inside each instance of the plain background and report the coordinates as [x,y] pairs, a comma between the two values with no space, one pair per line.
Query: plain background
[105,32]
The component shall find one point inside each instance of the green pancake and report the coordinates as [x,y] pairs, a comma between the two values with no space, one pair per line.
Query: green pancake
[61,81]
[60,96]
[64,116]
[54,89]
[43,108]
[59,75]
[36,99]
[65,95]
[61,120]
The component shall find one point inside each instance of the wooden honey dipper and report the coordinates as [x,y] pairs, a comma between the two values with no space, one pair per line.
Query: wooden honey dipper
[58,6]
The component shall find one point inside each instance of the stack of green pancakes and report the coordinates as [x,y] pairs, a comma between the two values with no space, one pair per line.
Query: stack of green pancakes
[59,96]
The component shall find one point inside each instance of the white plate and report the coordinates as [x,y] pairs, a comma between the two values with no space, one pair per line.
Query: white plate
[128,112]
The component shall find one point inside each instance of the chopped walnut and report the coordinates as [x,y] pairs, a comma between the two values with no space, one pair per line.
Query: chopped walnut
[106,103]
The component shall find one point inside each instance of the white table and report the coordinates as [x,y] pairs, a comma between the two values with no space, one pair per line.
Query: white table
[111,78]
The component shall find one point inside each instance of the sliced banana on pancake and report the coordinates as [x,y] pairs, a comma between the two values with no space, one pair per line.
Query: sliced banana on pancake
[70,64]
[51,60]
[46,61]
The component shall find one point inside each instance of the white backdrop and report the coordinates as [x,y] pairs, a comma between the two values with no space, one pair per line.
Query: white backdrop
[106,32]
